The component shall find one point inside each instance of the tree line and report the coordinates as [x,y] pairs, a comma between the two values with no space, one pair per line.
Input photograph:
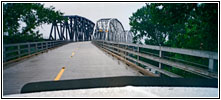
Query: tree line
[20,21]
[181,25]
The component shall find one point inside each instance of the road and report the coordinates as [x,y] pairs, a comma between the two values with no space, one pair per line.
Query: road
[71,61]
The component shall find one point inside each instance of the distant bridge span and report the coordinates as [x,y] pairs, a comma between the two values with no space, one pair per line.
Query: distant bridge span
[111,29]
[77,28]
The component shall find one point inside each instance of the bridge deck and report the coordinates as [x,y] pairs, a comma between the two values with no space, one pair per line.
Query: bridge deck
[87,61]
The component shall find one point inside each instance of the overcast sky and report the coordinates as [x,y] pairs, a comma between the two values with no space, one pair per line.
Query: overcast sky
[95,11]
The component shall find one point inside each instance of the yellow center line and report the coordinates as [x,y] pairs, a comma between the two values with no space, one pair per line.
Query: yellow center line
[72,54]
[59,74]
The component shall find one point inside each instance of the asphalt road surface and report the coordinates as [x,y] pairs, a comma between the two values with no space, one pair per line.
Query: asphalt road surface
[71,61]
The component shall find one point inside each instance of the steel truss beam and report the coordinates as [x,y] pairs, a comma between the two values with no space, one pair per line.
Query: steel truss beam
[75,28]
[111,29]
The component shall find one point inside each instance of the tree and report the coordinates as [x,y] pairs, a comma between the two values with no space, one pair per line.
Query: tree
[21,19]
[182,25]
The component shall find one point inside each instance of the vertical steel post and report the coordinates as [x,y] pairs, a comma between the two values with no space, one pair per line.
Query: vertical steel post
[126,52]
[36,47]
[19,52]
[160,55]
[211,63]
[66,31]
[125,48]
[52,44]
[49,45]
[121,52]
[102,44]
[138,51]
[118,45]
[59,35]
[42,47]
[46,45]
[50,37]
[55,43]
[54,31]
[75,30]
[61,31]
[133,49]
[71,34]
[29,48]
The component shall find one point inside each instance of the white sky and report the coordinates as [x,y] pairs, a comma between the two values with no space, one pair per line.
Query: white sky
[95,11]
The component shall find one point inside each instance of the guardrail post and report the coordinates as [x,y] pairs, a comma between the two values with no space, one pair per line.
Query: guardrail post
[42,47]
[125,48]
[19,52]
[29,49]
[102,44]
[36,47]
[52,43]
[138,50]
[46,45]
[211,63]
[111,45]
[133,49]
[119,47]
[58,43]
[55,43]
[160,55]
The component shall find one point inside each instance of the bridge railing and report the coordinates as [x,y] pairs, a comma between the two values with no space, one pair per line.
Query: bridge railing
[18,50]
[136,54]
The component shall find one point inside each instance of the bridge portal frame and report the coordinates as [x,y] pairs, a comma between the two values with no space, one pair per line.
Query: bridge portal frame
[74,28]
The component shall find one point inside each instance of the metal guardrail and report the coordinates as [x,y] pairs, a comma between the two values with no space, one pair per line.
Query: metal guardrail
[18,50]
[125,49]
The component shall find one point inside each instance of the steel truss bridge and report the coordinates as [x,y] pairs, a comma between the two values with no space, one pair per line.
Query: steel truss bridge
[77,28]
[89,59]
[111,29]
[74,28]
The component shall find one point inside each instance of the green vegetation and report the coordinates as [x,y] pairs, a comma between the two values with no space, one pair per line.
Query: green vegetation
[179,25]
[182,25]
[20,21]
